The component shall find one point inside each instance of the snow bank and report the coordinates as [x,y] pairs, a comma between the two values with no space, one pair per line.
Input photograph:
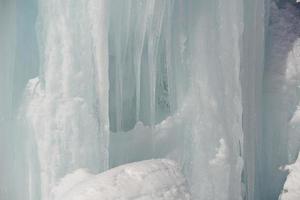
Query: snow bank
[147,180]
[291,189]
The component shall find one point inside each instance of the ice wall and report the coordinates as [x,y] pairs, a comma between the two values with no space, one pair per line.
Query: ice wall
[123,81]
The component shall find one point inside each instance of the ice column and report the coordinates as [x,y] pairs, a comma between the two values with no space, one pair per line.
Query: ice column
[215,127]
[66,107]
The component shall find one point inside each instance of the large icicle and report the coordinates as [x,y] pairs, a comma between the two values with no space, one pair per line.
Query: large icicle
[215,128]
[67,106]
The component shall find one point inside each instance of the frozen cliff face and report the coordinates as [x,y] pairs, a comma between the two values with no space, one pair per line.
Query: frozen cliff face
[291,189]
[145,180]
[123,81]
[281,98]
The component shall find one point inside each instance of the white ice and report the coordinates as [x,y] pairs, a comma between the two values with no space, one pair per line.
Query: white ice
[291,189]
[146,180]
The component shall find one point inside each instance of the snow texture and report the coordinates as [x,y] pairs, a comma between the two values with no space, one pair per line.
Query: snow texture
[291,189]
[146,180]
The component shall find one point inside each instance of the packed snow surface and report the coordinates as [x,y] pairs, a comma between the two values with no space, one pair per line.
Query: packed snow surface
[159,179]
[291,190]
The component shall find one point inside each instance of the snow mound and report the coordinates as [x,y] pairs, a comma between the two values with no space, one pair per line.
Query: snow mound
[291,189]
[159,179]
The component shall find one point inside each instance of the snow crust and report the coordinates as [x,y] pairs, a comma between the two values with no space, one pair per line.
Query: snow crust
[291,189]
[146,180]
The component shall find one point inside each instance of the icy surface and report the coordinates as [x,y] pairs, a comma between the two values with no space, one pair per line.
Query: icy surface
[123,81]
[145,180]
[291,189]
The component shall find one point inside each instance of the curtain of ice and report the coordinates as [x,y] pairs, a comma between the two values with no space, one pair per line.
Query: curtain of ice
[148,76]
[169,78]
[66,107]
[175,92]
[188,49]
[149,72]
[146,40]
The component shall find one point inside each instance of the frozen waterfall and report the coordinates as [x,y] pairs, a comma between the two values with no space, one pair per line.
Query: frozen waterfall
[119,88]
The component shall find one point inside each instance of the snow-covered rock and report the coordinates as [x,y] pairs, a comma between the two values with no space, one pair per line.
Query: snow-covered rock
[291,189]
[159,179]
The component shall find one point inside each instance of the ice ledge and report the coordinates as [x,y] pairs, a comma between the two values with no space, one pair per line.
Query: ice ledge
[159,179]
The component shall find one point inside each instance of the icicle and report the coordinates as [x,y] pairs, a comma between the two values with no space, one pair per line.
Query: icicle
[153,44]
[119,96]
[68,118]
[169,55]
[139,36]
[98,17]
